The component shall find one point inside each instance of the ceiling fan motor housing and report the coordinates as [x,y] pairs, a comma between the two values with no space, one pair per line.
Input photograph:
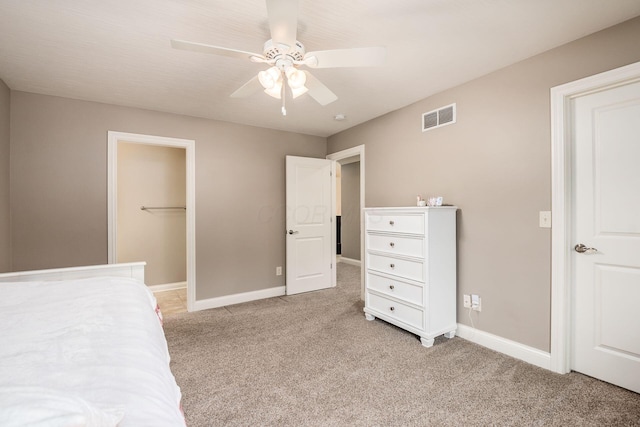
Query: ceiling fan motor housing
[275,51]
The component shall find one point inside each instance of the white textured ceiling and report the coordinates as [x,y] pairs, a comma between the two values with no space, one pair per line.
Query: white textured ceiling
[119,52]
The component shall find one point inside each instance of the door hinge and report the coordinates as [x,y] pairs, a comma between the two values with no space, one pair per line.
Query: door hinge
[330,173]
[331,265]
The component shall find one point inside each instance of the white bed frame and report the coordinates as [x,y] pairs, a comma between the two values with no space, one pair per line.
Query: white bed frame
[134,270]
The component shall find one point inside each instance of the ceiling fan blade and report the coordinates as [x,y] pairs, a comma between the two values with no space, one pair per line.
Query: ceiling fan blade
[283,21]
[216,50]
[318,91]
[358,57]
[247,89]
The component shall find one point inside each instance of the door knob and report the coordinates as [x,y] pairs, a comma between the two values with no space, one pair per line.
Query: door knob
[293,232]
[580,248]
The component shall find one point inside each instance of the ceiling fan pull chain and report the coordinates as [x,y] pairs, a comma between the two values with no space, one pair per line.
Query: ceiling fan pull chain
[282,95]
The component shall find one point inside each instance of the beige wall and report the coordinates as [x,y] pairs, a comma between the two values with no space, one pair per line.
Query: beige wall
[495,164]
[5,233]
[350,184]
[152,176]
[59,188]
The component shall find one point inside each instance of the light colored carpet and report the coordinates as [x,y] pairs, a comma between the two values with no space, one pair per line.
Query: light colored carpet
[313,359]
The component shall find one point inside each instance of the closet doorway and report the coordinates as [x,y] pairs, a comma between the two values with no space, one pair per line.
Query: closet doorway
[349,204]
[151,209]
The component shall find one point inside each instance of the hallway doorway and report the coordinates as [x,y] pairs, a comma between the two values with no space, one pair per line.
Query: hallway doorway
[349,158]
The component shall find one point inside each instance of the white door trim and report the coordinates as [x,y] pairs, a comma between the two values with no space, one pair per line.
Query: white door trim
[112,208]
[561,202]
[347,156]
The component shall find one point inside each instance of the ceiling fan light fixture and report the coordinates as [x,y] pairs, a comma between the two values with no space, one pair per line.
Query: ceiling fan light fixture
[270,78]
[295,78]
[275,91]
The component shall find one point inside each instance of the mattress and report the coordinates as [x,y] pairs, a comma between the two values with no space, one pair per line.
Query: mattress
[84,352]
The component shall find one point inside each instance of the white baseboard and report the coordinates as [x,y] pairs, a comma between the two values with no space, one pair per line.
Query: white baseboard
[238,298]
[167,287]
[514,349]
[350,261]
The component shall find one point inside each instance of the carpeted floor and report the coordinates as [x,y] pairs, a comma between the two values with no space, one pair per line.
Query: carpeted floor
[313,360]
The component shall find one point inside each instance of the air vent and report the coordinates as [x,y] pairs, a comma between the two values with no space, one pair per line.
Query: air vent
[438,118]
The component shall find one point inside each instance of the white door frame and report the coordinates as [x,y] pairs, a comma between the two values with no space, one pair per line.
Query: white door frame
[561,202]
[112,203]
[352,154]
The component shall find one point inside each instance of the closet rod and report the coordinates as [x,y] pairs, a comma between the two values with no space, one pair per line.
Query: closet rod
[146,208]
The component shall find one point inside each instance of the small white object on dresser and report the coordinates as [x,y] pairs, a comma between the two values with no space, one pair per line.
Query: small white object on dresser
[410,266]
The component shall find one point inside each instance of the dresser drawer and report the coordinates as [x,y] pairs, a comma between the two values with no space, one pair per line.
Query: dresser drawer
[397,245]
[408,223]
[396,288]
[413,270]
[404,313]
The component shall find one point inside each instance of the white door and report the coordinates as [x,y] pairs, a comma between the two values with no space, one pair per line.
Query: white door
[309,223]
[606,183]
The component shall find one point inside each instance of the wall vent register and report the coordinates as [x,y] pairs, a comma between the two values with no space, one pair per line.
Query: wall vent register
[438,118]
[410,265]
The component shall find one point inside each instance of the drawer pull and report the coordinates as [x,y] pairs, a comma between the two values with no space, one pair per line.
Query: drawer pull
[392,308]
[391,287]
[392,244]
[391,222]
[392,265]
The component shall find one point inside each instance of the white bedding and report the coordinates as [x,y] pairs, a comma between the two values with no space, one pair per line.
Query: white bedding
[84,352]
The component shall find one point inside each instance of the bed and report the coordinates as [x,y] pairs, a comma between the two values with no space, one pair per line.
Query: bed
[84,346]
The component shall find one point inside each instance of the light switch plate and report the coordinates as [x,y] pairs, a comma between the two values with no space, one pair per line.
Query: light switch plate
[545,219]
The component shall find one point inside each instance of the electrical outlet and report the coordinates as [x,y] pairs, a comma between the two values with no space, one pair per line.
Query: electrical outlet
[466,300]
[278,271]
[476,302]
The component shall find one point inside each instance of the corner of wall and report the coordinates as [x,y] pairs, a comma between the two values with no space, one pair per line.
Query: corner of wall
[5,177]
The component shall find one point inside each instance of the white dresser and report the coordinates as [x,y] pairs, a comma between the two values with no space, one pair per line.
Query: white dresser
[411,269]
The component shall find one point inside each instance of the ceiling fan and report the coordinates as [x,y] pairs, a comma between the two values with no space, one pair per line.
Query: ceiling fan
[285,54]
